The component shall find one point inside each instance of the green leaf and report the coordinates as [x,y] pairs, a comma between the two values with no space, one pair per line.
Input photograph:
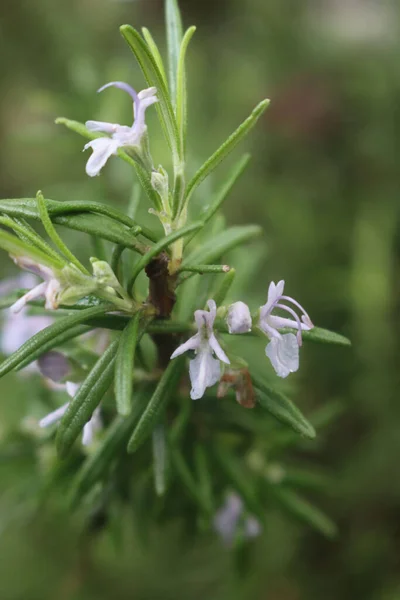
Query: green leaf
[212,249]
[204,470]
[112,446]
[155,52]
[226,148]
[206,269]
[93,218]
[282,408]
[87,398]
[174,38]
[323,336]
[47,335]
[78,127]
[159,459]
[165,388]
[123,382]
[181,93]
[27,207]
[235,475]
[55,342]
[305,512]
[144,179]
[222,290]
[159,247]
[153,77]
[17,247]
[29,235]
[223,192]
[184,473]
[102,227]
[53,235]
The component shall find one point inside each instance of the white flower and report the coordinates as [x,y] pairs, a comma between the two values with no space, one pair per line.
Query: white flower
[120,135]
[48,289]
[239,318]
[92,426]
[283,349]
[230,521]
[204,370]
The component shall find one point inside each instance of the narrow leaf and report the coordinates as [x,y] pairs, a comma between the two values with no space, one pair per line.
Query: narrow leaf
[155,52]
[222,290]
[113,445]
[213,249]
[165,388]
[153,77]
[55,342]
[185,475]
[27,207]
[17,247]
[48,334]
[181,93]
[159,247]
[223,192]
[53,235]
[305,512]
[233,471]
[206,268]
[323,336]
[86,400]
[159,459]
[204,471]
[226,148]
[282,408]
[123,382]
[29,235]
[174,38]
[102,227]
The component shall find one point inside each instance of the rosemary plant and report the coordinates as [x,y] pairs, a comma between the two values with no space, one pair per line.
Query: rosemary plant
[122,355]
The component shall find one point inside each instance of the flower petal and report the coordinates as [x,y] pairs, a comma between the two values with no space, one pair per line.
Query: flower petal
[34,293]
[101,126]
[122,86]
[102,148]
[283,353]
[214,344]
[281,322]
[204,371]
[92,427]
[54,416]
[192,344]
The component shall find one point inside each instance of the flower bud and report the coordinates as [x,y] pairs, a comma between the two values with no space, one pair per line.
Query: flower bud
[239,318]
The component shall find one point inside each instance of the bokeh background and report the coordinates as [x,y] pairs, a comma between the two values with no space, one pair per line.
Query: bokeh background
[324,182]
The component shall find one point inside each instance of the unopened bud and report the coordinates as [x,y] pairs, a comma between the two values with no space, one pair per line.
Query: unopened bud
[239,318]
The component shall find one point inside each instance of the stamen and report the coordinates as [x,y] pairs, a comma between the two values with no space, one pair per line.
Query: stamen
[296,317]
[293,301]
[125,87]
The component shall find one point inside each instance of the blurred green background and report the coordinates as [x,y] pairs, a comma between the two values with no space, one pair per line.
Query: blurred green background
[324,183]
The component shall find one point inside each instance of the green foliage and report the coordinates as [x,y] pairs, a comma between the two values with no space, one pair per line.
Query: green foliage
[160,453]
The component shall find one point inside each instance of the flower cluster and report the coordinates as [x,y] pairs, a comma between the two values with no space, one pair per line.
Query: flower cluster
[282,349]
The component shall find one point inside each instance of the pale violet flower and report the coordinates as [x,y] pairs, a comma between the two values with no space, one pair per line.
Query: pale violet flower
[238,318]
[204,370]
[231,521]
[18,328]
[283,349]
[48,289]
[92,426]
[119,136]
